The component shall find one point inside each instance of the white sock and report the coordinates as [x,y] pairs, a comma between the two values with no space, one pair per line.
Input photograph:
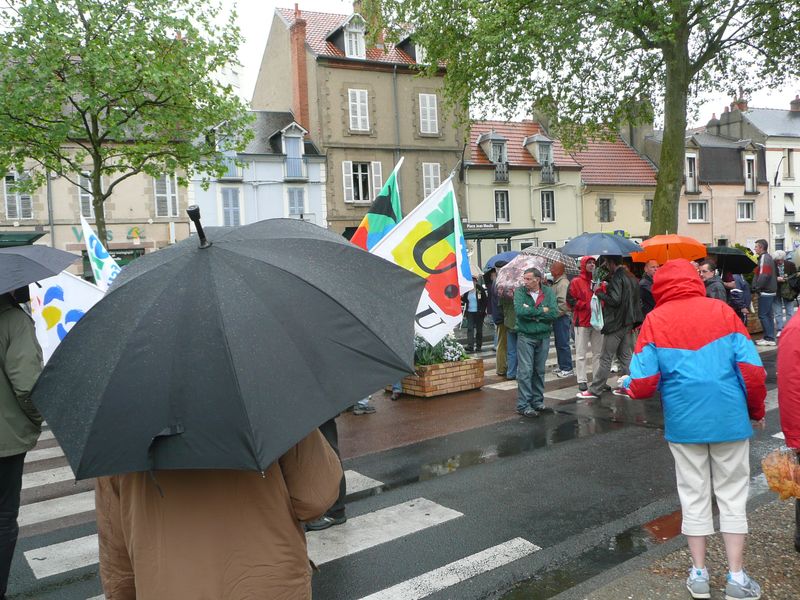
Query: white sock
[739,577]
[696,572]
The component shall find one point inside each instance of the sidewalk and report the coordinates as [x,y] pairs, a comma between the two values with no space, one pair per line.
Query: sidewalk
[770,558]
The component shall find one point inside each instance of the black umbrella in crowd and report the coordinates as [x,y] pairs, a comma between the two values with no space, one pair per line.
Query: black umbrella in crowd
[732,260]
[225,356]
[21,265]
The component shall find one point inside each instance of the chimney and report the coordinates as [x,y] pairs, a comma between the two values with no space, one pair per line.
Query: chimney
[795,104]
[713,125]
[297,33]
[739,104]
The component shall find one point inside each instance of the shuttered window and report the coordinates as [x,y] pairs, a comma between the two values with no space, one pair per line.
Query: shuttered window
[166,188]
[428,117]
[18,205]
[430,178]
[231,210]
[359,107]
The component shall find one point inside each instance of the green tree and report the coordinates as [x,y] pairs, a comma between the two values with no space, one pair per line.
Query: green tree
[593,64]
[113,88]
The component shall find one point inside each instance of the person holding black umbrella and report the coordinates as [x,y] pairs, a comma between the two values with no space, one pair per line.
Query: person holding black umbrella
[21,424]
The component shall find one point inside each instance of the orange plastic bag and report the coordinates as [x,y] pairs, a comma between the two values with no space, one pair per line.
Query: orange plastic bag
[783,472]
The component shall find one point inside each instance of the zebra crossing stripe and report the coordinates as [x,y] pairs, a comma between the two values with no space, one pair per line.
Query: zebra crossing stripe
[503,385]
[39,478]
[100,597]
[779,435]
[48,510]
[63,557]
[455,572]
[46,435]
[375,528]
[356,482]
[43,454]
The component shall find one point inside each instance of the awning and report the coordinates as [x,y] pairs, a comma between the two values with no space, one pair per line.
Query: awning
[19,238]
[498,234]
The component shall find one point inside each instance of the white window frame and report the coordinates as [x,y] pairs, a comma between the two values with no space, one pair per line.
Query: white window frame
[503,154]
[239,210]
[354,45]
[84,196]
[545,153]
[743,207]
[358,101]
[428,114]
[171,195]
[750,173]
[691,173]
[552,245]
[19,199]
[498,196]
[648,212]
[501,247]
[431,178]
[698,203]
[291,202]
[372,186]
[548,216]
[421,55]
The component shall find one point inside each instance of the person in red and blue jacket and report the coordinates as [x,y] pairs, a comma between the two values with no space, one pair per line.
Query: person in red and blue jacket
[789,399]
[697,352]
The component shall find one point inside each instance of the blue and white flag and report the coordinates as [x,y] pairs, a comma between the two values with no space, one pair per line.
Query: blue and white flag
[104,267]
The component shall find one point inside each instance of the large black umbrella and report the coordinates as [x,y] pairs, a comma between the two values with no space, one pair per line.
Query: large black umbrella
[21,265]
[591,244]
[226,356]
[731,259]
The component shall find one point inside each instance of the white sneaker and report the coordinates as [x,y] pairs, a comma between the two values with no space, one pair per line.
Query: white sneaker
[563,374]
[763,342]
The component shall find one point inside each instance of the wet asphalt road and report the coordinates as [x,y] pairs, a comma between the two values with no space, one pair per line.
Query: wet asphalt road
[571,482]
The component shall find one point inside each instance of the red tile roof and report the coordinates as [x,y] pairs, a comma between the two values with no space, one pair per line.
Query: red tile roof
[614,163]
[320,25]
[514,132]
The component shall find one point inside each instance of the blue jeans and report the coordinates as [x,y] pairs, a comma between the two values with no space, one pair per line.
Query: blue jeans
[561,331]
[511,354]
[765,315]
[780,304]
[532,356]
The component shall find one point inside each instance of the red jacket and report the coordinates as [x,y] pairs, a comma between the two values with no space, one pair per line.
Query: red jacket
[788,388]
[579,296]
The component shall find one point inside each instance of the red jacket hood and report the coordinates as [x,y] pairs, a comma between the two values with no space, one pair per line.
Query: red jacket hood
[584,273]
[675,280]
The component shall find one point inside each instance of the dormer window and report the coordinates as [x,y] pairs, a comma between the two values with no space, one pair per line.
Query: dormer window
[545,153]
[499,152]
[420,55]
[354,46]
[292,140]
[750,173]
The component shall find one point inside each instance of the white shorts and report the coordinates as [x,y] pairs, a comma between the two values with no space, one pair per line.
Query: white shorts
[727,465]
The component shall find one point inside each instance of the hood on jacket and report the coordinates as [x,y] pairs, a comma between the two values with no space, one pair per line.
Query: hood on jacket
[677,279]
[584,273]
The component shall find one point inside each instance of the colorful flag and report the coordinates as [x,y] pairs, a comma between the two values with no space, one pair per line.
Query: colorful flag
[104,267]
[383,215]
[430,243]
[57,305]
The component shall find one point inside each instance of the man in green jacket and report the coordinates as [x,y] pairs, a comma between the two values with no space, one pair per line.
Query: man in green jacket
[536,310]
[20,422]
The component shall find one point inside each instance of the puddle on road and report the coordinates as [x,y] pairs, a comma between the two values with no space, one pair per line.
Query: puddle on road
[610,553]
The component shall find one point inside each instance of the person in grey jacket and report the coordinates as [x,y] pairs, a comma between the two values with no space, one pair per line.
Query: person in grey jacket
[20,423]
[765,282]
[714,287]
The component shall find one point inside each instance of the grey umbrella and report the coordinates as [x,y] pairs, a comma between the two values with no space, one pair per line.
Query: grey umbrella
[593,244]
[21,265]
[225,356]
[552,255]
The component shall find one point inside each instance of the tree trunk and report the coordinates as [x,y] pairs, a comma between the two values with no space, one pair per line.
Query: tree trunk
[98,198]
[673,145]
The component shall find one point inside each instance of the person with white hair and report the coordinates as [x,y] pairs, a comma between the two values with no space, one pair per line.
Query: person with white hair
[788,286]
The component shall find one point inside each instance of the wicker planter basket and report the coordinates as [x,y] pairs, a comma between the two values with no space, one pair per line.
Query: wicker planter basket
[444,378]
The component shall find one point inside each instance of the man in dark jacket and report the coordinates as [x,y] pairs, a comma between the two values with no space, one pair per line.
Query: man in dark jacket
[474,302]
[786,298]
[713,284]
[622,312]
[20,423]
[765,282]
[646,286]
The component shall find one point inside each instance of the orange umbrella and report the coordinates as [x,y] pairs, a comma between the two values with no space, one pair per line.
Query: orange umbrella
[666,247]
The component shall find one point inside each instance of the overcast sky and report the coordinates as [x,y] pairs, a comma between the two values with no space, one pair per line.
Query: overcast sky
[255,17]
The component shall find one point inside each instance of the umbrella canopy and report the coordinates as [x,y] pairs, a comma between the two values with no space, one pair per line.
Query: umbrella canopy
[731,259]
[552,255]
[509,277]
[21,265]
[662,248]
[224,357]
[503,256]
[600,243]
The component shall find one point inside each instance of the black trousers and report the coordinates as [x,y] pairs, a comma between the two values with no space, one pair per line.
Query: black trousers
[329,431]
[474,328]
[10,488]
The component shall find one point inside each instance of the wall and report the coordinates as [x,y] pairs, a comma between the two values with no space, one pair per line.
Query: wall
[722,214]
[627,209]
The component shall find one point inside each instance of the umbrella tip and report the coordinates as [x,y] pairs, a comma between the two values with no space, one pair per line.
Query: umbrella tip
[194,214]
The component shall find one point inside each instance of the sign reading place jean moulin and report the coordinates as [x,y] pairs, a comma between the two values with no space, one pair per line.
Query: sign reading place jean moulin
[479,226]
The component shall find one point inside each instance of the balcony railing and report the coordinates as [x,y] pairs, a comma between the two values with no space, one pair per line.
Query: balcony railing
[549,174]
[501,172]
[296,169]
